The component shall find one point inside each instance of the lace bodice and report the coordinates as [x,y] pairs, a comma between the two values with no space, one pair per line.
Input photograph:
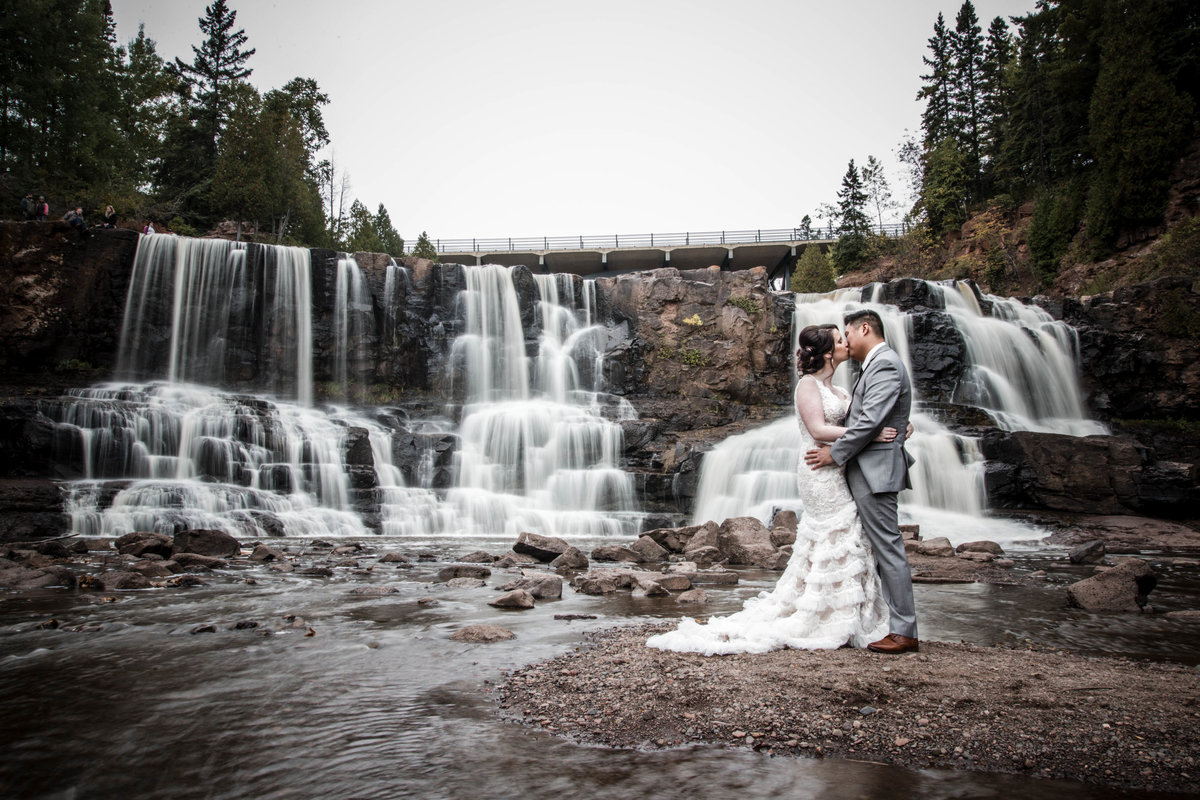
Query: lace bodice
[834,405]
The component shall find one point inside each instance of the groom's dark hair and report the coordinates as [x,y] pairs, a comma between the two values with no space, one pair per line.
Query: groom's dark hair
[868,316]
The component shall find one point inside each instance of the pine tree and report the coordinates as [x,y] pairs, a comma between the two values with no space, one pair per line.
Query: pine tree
[146,89]
[363,237]
[814,273]
[936,119]
[218,64]
[853,224]
[424,248]
[966,48]
[997,55]
[875,185]
[393,243]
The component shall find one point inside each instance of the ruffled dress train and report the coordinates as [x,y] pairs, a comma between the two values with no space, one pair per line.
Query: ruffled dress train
[828,596]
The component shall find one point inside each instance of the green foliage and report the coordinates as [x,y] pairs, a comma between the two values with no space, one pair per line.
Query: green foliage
[218,66]
[364,238]
[946,185]
[693,357]
[747,304]
[814,273]
[179,226]
[853,225]
[424,248]
[389,237]
[1176,316]
[1178,252]
[1055,221]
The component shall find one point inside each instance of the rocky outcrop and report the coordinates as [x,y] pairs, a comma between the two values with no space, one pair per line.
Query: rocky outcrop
[1091,474]
[1121,588]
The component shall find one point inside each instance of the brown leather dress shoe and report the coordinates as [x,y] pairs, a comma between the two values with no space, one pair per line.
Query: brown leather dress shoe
[895,643]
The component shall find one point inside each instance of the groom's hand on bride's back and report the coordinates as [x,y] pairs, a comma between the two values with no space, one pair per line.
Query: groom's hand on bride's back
[818,457]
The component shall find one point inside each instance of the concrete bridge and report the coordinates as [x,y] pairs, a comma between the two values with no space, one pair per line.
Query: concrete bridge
[593,256]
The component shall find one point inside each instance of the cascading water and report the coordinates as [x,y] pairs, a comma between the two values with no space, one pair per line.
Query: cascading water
[538,452]
[1021,371]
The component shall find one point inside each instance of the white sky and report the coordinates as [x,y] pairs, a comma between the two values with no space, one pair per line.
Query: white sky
[470,118]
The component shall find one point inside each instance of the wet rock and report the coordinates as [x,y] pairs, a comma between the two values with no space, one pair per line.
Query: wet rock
[1088,553]
[745,540]
[971,555]
[1124,587]
[321,544]
[466,583]
[152,569]
[462,571]
[427,602]
[715,577]
[394,558]
[206,543]
[614,552]
[572,558]
[482,634]
[195,561]
[245,625]
[543,548]
[280,566]
[705,557]
[316,572]
[19,576]
[594,584]
[783,528]
[263,553]
[648,587]
[693,597]
[373,591]
[53,548]
[674,582]
[982,546]
[518,599]
[782,557]
[706,535]
[478,557]
[542,587]
[139,543]
[939,547]
[648,551]
[184,582]
[512,559]
[122,581]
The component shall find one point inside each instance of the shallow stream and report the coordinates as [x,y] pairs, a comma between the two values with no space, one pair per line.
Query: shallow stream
[124,700]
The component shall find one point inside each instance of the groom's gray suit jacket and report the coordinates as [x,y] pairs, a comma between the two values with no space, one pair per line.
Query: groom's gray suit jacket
[881,398]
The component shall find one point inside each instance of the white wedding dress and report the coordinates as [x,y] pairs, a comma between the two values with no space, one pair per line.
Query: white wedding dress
[828,596]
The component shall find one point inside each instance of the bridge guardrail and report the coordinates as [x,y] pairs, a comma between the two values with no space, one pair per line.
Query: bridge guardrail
[622,240]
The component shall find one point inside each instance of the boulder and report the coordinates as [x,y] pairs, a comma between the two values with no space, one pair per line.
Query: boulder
[706,535]
[939,547]
[152,569]
[614,552]
[1124,587]
[1092,552]
[206,543]
[462,571]
[514,559]
[139,543]
[693,597]
[648,551]
[783,528]
[573,558]
[542,587]
[648,587]
[19,576]
[196,561]
[745,540]
[482,634]
[466,583]
[543,548]
[516,599]
[477,557]
[982,546]
[675,582]
[715,577]
[705,557]
[394,558]
[594,583]
[263,553]
[121,581]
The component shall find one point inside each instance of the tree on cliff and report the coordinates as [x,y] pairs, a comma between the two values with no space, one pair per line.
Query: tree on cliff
[389,237]
[363,235]
[424,248]
[814,273]
[854,228]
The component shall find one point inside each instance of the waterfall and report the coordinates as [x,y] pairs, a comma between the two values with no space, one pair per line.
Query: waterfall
[1021,369]
[226,299]
[538,452]
[352,319]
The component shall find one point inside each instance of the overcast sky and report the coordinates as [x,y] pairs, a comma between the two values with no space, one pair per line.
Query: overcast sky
[554,117]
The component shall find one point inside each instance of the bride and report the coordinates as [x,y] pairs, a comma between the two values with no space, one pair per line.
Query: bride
[829,595]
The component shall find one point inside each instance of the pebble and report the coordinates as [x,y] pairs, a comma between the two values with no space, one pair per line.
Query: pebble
[867,711]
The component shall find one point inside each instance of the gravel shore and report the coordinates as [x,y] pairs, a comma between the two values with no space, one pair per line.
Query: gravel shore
[1041,712]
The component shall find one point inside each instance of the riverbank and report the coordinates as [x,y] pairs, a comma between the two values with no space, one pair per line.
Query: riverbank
[1044,713]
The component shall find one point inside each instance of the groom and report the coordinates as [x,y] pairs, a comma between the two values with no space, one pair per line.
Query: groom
[877,471]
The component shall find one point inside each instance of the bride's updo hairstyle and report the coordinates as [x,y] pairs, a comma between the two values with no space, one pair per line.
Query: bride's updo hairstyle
[816,341]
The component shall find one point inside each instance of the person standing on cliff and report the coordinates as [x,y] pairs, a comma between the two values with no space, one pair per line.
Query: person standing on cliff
[28,207]
[876,471]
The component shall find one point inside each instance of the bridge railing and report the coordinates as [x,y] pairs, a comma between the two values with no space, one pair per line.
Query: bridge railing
[635,240]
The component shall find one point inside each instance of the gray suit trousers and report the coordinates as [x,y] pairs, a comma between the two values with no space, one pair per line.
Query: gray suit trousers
[880,520]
